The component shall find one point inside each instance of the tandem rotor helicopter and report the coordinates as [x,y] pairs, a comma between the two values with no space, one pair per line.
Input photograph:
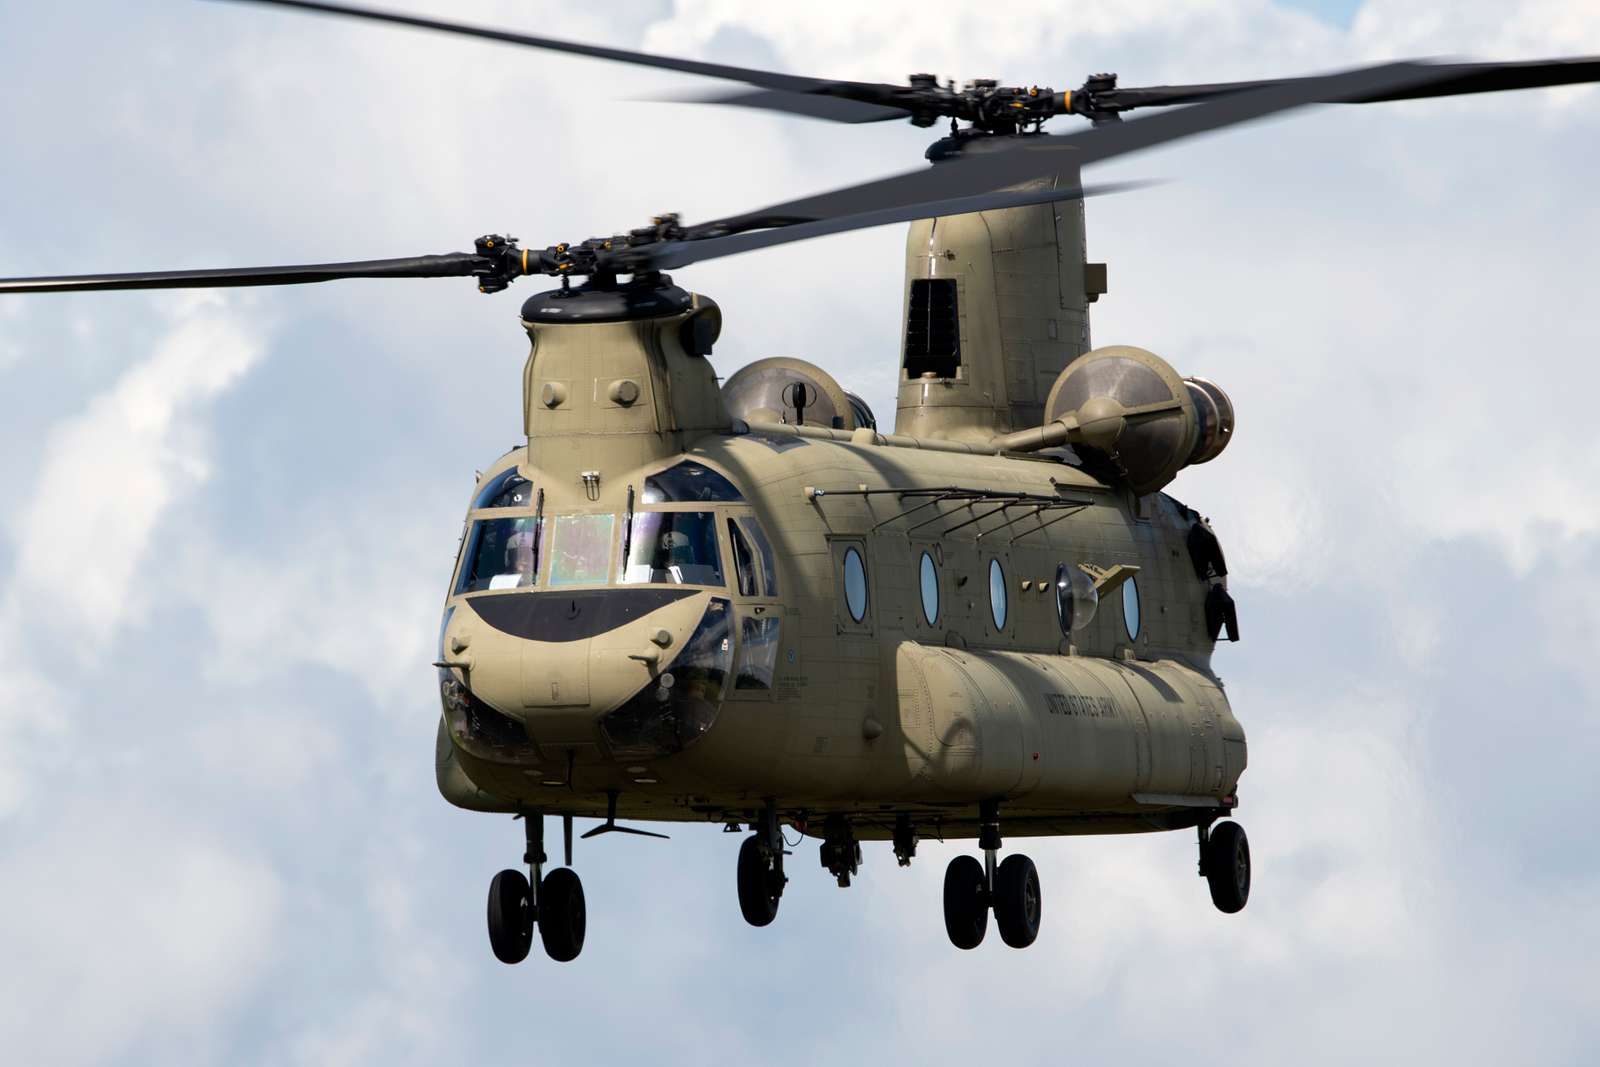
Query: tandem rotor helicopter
[748,605]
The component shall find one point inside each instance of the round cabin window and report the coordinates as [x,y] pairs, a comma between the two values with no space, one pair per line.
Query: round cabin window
[1076,599]
[997,593]
[930,589]
[1130,608]
[855,584]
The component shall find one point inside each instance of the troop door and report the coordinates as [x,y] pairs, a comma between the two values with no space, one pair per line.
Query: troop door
[758,613]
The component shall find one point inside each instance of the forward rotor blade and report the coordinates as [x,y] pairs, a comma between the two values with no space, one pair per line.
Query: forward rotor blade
[452,265]
[790,85]
[1455,79]
[816,104]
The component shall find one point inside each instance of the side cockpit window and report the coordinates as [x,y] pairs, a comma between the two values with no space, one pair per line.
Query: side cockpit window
[744,560]
[758,654]
[752,557]
[689,483]
[763,547]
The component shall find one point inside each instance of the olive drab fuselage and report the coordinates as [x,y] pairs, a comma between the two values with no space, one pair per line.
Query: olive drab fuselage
[695,613]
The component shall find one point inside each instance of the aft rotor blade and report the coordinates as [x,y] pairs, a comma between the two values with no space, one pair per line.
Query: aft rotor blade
[861,94]
[1455,79]
[452,265]
[979,179]
[673,254]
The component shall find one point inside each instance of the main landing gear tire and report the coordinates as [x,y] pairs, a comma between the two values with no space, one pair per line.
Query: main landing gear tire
[1227,863]
[1016,901]
[562,918]
[966,911]
[510,916]
[760,887]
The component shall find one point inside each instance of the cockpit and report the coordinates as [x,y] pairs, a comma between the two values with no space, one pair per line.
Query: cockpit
[585,572]
[659,542]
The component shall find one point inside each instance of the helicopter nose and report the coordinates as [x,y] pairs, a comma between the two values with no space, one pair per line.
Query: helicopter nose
[560,663]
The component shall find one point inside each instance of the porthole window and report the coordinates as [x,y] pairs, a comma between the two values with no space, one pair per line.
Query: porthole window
[855,584]
[930,589]
[1130,608]
[997,594]
[1076,599]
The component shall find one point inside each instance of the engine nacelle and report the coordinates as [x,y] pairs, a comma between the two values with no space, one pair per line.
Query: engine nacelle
[782,389]
[1136,412]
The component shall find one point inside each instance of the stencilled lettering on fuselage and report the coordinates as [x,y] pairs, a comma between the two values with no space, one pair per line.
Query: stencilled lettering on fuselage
[1083,707]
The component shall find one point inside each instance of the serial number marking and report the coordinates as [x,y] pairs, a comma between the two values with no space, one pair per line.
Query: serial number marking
[1081,706]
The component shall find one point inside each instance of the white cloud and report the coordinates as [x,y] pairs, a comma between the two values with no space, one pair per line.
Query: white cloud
[31,712]
[347,592]
[109,476]
[11,316]
[1396,299]
[130,930]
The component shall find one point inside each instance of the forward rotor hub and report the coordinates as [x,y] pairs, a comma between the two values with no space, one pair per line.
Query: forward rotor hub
[504,260]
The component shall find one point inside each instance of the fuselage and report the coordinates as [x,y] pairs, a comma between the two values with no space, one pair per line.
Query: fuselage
[848,622]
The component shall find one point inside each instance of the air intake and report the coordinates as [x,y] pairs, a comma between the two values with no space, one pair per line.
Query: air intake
[933,329]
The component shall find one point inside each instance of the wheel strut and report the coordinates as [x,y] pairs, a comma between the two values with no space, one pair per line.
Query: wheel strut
[772,835]
[989,840]
[533,855]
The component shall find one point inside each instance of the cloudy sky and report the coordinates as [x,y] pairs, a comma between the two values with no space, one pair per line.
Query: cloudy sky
[226,523]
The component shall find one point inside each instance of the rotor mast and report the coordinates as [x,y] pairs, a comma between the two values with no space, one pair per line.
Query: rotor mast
[996,305]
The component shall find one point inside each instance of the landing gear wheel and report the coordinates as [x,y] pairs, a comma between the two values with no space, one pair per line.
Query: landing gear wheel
[562,918]
[759,885]
[966,911]
[510,917]
[1228,866]
[1017,901]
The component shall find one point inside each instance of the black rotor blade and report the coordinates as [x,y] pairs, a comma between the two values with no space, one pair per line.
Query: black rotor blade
[1455,79]
[978,179]
[673,254]
[816,104]
[790,86]
[452,265]
[984,177]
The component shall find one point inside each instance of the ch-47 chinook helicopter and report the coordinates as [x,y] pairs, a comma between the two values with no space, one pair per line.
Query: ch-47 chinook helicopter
[745,604]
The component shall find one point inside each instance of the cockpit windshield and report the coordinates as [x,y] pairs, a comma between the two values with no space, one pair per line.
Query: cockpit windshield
[673,546]
[501,554]
[580,549]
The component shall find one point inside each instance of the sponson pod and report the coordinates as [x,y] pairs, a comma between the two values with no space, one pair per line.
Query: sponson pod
[1064,730]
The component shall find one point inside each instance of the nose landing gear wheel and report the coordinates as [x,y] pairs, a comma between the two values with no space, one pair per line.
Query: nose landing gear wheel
[966,912]
[510,917]
[759,885]
[562,918]
[1017,901]
[1227,865]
